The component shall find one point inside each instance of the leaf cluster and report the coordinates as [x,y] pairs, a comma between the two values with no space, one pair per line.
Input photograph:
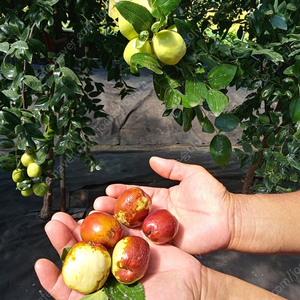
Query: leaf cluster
[47,97]
[243,45]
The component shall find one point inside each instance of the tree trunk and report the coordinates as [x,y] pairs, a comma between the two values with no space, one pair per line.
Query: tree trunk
[251,174]
[251,171]
[46,211]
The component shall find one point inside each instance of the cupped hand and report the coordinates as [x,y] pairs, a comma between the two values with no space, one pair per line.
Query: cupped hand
[200,202]
[171,271]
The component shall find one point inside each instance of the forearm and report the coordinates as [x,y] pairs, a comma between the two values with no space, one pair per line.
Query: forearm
[266,223]
[219,286]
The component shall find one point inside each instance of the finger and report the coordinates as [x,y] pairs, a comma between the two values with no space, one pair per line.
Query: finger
[60,235]
[115,190]
[170,168]
[51,280]
[70,223]
[105,204]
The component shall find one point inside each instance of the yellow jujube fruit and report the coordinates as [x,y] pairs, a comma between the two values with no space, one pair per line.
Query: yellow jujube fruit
[26,159]
[27,192]
[40,189]
[126,27]
[34,170]
[17,175]
[86,267]
[131,49]
[169,46]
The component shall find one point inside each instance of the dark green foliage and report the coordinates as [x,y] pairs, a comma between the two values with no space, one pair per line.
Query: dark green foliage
[229,43]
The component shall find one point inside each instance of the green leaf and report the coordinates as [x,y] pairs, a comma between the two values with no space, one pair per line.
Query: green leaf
[11,94]
[50,2]
[239,153]
[177,115]
[99,295]
[139,16]
[295,110]
[199,113]
[118,291]
[61,145]
[6,143]
[296,68]
[271,139]
[188,115]
[207,126]
[65,252]
[25,33]
[8,162]
[4,47]
[295,164]
[37,45]
[33,83]
[269,54]
[42,100]
[220,76]
[227,122]
[195,91]
[19,45]
[267,91]
[220,150]
[166,6]
[254,24]
[88,131]
[148,61]
[281,158]
[164,81]
[70,74]
[184,102]
[11,117]
[247,146]
[64,119]
[162,21]
[279,21]
[172,98]
[216,101]
[8,70]
[33,131]
[188,31]
[24,185]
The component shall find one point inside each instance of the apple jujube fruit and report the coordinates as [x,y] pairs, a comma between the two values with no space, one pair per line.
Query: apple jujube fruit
[28,192]
[86,267]
[132,207]
[40,189]
[17,175]
[160,226]
[130,259]
[101,228]
[26,159]
[34,170]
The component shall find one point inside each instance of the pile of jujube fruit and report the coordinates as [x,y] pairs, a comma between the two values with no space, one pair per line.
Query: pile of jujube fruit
[104,250]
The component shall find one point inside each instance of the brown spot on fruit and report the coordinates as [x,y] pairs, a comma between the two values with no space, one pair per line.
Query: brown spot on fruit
[130,259]
[132,207]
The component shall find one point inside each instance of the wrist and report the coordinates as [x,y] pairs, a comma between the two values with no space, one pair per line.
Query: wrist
[235,222]
[259,223]
[219,286]
[214,286]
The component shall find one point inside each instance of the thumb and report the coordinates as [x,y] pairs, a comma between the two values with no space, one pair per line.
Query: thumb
[170,168]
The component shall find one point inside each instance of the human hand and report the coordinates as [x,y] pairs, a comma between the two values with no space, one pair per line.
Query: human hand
[169,266]
[201,204]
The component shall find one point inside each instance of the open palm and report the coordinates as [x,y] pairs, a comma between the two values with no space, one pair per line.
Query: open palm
[200,203]
[169,266]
